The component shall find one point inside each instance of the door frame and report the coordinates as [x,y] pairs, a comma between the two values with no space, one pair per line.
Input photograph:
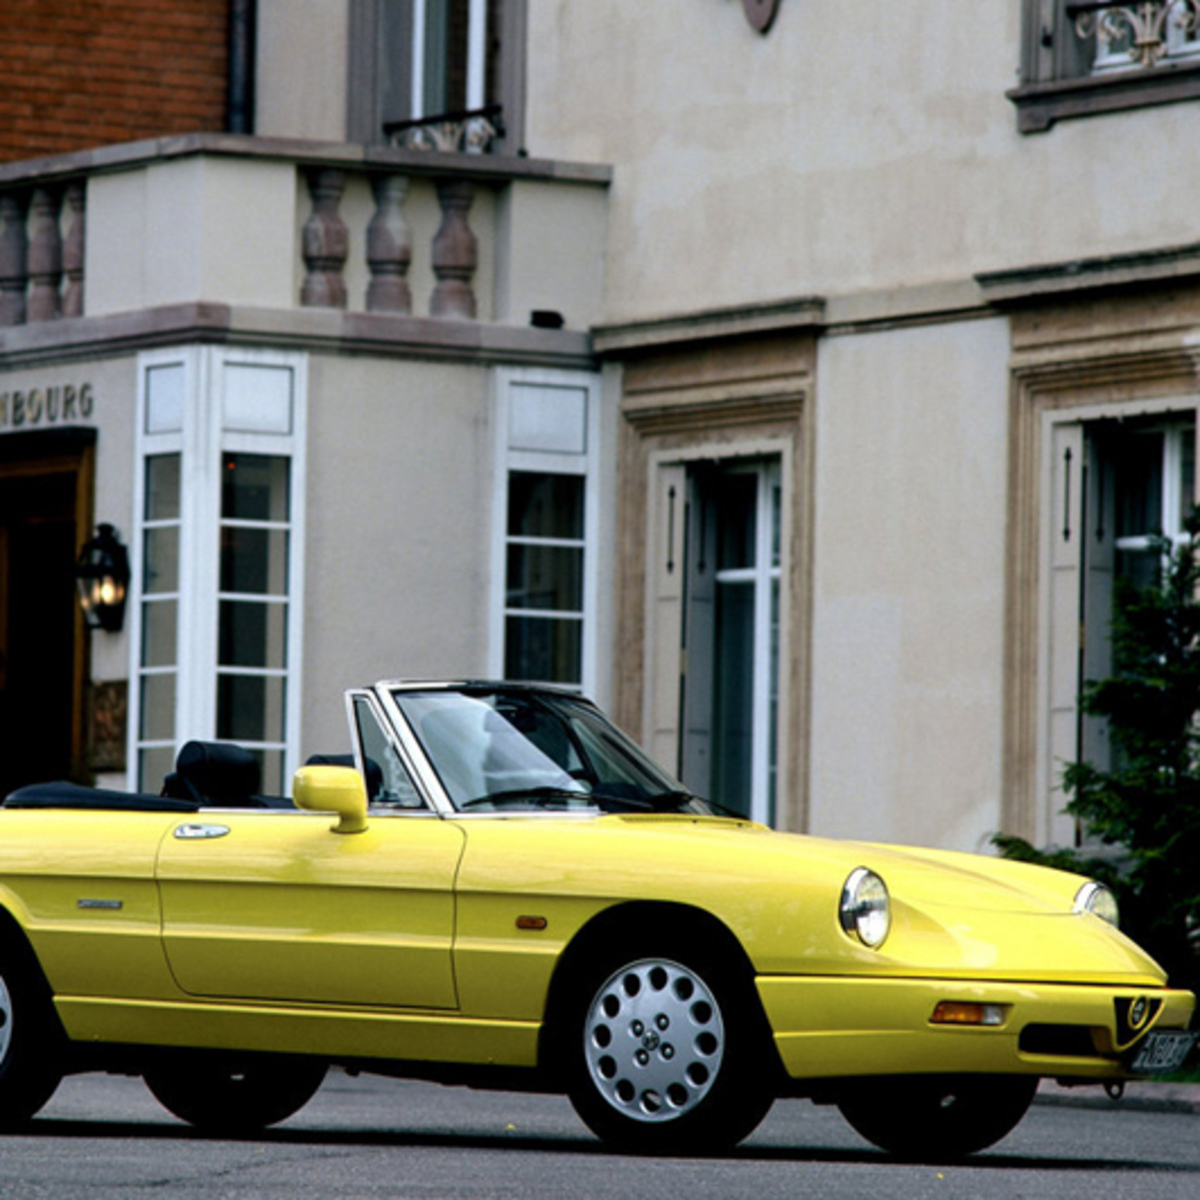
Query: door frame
[64,451]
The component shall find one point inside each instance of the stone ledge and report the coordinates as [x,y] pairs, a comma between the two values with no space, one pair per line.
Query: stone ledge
[1113,272]
[322,330]
[656,333]
[483,168]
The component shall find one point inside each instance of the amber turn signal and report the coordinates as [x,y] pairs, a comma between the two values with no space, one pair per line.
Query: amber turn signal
[957,1012]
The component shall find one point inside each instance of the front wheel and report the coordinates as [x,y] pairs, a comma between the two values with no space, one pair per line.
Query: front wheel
[937,1117]
[233,1094]
[669,1055]
[31,1041]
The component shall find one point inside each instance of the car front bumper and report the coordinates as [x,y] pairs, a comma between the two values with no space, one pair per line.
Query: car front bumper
[827,1028]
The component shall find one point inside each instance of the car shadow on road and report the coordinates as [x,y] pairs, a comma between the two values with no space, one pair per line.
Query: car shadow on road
[573,1144]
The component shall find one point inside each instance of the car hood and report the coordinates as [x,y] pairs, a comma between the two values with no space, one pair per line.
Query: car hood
[953,915]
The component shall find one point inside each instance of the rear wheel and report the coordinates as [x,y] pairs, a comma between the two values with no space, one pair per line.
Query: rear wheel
[234,1094]
[937,1117]
[667,1053]
[31,1041]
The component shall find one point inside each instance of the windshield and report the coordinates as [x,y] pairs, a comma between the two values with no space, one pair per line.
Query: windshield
[496,747]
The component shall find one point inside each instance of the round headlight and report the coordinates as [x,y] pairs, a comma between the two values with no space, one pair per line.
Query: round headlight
[1095,898]
[866,910]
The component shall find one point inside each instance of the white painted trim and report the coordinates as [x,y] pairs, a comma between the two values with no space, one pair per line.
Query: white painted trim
[476,50]
[200,443]
[587,464]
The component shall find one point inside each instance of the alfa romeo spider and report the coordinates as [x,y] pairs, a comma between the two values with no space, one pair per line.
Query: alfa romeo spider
[496,887]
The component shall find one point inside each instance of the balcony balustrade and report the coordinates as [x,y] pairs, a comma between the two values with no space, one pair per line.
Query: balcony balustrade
[276,225]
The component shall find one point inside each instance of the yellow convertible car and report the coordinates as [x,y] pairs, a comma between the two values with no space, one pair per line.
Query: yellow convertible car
[497,888]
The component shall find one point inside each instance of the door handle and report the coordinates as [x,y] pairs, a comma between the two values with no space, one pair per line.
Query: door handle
[188,833]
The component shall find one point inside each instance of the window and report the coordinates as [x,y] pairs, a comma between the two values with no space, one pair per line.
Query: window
[417,59]
[544,566]
[729,745]
[389,784]
[1081,58]
[218,570]
[1115,483]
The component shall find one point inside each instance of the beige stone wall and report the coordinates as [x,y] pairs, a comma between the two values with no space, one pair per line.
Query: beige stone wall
[835,154]
[908,595]
[400,462]
[300,85]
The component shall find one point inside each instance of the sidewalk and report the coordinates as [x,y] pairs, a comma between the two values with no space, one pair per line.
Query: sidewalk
[1141,1095]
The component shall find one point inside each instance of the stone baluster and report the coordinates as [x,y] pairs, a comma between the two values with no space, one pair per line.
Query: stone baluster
[45,255]
[455,253]
[14,259]
[73,245]
[326,242]
[389,247]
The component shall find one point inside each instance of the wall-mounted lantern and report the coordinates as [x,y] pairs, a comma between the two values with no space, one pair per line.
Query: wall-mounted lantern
[102,574]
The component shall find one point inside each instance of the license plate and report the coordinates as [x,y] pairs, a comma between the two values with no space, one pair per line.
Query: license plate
[1162,1051]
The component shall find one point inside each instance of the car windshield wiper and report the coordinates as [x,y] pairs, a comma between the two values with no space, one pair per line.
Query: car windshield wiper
[531,795]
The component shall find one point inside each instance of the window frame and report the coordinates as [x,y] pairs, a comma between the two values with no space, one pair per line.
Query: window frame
[201,440]
[510,460]
[366,74]
[1059,82]
[1053,392]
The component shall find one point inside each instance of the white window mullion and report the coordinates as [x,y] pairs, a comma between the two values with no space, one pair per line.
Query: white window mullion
[418,60]
[476,47]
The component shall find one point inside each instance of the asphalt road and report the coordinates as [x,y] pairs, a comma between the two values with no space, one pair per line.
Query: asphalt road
[370,1138]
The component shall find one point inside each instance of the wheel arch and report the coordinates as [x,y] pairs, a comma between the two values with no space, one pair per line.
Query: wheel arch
[691,927]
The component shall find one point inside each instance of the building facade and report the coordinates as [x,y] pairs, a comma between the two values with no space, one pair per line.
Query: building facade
[798,393]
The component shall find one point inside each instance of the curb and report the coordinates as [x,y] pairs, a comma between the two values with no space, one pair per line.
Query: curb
[1140,1096]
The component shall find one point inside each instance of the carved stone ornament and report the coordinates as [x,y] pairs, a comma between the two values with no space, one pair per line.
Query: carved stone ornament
[760,13]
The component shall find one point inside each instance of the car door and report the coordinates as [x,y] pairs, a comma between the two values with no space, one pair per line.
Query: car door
[275,906]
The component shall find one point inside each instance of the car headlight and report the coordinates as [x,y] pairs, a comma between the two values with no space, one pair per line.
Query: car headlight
[866,909]
[1095,898]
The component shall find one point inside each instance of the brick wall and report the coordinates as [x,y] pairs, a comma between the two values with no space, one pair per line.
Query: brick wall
[82,73]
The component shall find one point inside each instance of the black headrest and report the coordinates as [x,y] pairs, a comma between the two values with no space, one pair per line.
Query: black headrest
[374,774]
[216,773]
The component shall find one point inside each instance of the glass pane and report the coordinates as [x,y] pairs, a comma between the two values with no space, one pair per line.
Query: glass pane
[388,782]
[154,765]
[734,707]
[1139,470]
[162,487]
[160,621]
[252,634]
[547,506]
[250,708]
[737,504]
[254,561]
[543,650]
[254,487]
[548,577]
[160,559]
[158,708]
[1187,491]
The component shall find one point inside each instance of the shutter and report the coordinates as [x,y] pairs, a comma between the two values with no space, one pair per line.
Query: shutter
[664,650]
[1066,563]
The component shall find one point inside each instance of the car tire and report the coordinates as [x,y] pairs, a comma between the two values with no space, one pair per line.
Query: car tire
[233,1095]
[31,1040]
[668,1052]
[936,1118]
